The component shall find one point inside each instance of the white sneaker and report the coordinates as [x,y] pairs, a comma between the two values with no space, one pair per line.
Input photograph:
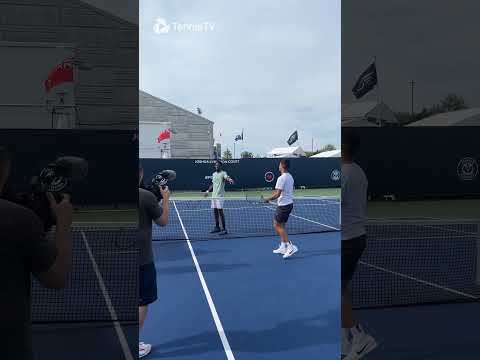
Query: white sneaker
[144,349]
[362,344]
[291,249]
[346,348]
[282,248]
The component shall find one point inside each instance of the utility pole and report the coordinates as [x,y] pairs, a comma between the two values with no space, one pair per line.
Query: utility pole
[412,86]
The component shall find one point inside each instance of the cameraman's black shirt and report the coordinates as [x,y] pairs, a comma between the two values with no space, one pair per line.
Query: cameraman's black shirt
[149,211]
[24,250]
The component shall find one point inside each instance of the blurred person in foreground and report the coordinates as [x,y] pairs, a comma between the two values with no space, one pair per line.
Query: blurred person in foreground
[149,211]
[25,250]
[356,342]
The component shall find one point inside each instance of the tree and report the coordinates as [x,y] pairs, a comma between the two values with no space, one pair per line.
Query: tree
[328,147]
[246,155]
[451,102]
[227,155]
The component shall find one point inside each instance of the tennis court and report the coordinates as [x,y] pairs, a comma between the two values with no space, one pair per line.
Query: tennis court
[95,317]
[230,297]
[418,286]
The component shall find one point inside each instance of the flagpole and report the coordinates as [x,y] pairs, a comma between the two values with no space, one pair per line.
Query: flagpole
[379,95]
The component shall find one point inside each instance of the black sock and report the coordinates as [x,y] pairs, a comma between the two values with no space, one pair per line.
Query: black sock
[222,217]
[216,215]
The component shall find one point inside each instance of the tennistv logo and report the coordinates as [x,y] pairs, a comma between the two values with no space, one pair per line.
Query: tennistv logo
[162,27]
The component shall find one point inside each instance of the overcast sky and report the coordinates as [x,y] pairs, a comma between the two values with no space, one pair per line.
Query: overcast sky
[269,67]
[433,42]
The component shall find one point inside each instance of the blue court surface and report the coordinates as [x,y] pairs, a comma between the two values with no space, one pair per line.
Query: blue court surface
[410,282]
[232,298]
[95,317]
[85,341]
[437,332]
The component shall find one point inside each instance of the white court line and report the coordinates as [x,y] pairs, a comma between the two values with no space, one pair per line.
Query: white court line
[419,280]
[249,207]
[213,310]
[302,218]
[116,324]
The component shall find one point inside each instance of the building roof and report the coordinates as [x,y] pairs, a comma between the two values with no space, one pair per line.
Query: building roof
[104,13]
[287,151]
[357,109]
[467,117]
[327,154]
[167,109]
[367,114]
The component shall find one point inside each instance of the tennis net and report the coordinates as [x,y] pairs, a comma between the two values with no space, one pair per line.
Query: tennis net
[103,283]
[246,217]
[413,262]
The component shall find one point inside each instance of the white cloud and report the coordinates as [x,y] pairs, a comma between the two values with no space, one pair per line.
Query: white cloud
[267,68]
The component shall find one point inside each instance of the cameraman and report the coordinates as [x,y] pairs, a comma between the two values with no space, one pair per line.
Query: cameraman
[149,211]
[24,250]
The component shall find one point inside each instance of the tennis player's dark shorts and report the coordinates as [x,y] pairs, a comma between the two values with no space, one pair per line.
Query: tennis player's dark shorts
[282,213]
[352,251]
[148,284]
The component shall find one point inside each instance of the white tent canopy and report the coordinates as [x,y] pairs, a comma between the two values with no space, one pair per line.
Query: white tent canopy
[286,152]
[467,117]
[327,154]
[367,114]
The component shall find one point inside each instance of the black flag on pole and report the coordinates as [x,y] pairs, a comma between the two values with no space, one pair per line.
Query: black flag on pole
[239,137]
[293,138]
[366,81]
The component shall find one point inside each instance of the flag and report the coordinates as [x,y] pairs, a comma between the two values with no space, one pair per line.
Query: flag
[239,137]
[366,81]
[164,135]
[293,138]
[62,73]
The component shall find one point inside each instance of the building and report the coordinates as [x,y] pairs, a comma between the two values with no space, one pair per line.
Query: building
[286,152]
[467,117]
[327,154]
[365,114]
[191,134]
[35,37]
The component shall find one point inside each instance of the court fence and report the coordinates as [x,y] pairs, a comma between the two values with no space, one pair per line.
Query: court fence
[247,173]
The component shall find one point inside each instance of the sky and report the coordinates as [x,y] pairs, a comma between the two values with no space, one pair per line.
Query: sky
[264,66]
[432,42]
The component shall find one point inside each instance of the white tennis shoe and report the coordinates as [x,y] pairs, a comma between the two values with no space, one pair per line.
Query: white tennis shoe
[144,349]
[282,248]
[346,347]
[291,249]
[362,344]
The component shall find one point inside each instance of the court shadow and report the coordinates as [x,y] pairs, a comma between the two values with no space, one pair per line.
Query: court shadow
[206,268]
[308,254]
[180,251]
[285,336]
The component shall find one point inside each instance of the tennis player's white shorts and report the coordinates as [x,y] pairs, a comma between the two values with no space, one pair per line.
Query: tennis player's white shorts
[217,203]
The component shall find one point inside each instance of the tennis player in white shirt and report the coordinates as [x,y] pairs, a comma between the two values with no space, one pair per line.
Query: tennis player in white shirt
[356,342]
[284,195]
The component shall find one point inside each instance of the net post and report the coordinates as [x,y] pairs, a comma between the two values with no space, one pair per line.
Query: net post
[477,275]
